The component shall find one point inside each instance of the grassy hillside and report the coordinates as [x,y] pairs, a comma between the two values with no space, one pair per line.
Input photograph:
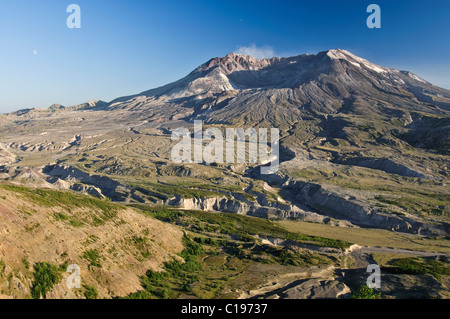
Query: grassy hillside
[43,231]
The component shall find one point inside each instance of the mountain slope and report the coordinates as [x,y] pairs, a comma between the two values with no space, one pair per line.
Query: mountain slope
[364,153]
[112,244]
[248,89]
[378,137]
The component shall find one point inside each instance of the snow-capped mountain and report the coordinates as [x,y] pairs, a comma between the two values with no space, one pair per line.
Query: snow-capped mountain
[236,86]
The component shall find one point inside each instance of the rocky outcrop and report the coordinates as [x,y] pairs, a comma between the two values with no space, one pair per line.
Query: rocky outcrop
[6,157]
[322,204]
[315,289]
[272,210]
[91,190]
[337,205]
[101,185]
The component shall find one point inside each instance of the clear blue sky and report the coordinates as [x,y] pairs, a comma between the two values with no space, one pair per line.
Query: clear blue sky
[128,46]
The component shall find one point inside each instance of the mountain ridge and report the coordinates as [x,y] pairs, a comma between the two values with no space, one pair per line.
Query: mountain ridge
[332,72]
[339,116]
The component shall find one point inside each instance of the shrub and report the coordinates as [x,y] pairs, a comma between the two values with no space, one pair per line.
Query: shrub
[93,257]
[90,292]
[61,216]
[45,277]
[415,266]
[140,295]
[162,293]
[191,248]
[206,241]
[365,292]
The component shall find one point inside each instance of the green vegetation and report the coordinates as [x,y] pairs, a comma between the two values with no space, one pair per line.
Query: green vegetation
[161,189]
[72,220]
[2,267]
[26,263]
[244,228]
[76,223]
[141,244]
[366,128]
[90,292]
[61,216]
[369,237]
[104,209]
[90,240]
[177,275]
[210,264]
[365,292]
[93,257]
[219,247]
[222,189]
[46,276]
[426,204]
[287,256]
[394,193]
[206,241]
[270,196]
[63,266]
[101,210]
[418,266]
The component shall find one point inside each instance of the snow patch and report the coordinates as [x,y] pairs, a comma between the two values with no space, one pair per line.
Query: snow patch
[355,64]
[415,77]
[355,60]
[336,54]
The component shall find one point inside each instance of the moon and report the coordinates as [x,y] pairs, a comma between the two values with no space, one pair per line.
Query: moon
[35,52]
